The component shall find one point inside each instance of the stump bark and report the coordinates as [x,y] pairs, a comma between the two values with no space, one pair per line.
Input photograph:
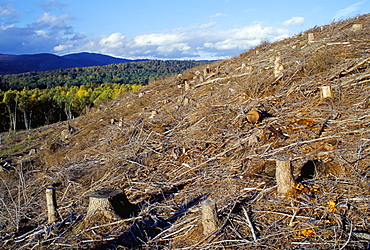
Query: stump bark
[112,204]
[284,177]
[209,217]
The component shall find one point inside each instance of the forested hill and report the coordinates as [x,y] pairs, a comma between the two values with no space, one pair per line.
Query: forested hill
[123,73]
[15,64]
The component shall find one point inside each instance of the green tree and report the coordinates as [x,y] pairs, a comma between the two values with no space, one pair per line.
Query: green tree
[26,101]
[10,100]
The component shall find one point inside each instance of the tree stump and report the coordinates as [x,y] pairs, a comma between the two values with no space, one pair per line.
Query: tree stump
[326,92]
[356,27]
[111,203]
[51,204]
[187,86]
[209,217]
[311,37]
[284,177]
[278,67]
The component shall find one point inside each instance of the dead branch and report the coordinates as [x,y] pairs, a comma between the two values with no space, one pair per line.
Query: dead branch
[250,224]
[347,71]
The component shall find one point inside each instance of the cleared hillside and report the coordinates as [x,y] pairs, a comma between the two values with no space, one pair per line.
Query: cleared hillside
[182,140]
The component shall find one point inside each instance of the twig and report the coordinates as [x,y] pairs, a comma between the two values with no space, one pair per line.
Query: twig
[288,215]
[250,224]
[344,72]
[210,159]
[97,240]
[262,192]
[299,143]
[168,229]
[221,78]
[178,231]
[355,67]
[355,80]
[113,223]
[349,237]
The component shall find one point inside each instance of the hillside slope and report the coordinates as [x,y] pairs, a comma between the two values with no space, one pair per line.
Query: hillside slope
[182,140]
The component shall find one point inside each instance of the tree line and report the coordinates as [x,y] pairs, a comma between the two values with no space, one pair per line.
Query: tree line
[139,73]
[35,99]
[24,109]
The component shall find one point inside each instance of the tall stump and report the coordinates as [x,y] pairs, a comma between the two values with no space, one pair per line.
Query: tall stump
[209,217]
[111,203]
[51,203]
[284,177]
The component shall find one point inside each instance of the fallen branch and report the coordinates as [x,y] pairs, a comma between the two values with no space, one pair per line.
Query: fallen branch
[288,215]
[356,80]
[250,224]
[344,72]
[220,78]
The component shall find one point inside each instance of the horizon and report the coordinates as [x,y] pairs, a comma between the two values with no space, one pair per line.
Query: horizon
[163,29]
[96,53]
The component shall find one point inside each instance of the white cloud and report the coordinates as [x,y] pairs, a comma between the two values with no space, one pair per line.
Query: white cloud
[115,40]
[246,37]
[346,12]
[218,14]
[7,10]
[206,25]
[41,33]
[49,19]
[63,47]
[157,39]
[6,27]
[296,20]
[194,42]
[171,48]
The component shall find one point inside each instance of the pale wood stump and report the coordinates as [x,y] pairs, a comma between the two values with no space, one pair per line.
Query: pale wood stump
[111,203]
[209,217]
[284,176]
[51,204]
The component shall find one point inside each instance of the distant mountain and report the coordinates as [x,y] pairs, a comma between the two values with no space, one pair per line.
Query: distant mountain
[15,64]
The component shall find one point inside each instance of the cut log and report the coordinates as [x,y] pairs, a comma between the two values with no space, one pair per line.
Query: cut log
[253,116]
[284,177]
[51,204]
[112,204]
[209,217]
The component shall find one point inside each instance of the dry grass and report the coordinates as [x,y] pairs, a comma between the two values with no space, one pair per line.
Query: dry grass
[198,145]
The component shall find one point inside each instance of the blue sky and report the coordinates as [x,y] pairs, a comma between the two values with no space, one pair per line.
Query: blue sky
[162,29]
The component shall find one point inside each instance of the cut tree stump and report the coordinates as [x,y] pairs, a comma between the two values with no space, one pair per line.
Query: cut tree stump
[326,92]
[51,204]
[111,203]
[209,217]
[284,177]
